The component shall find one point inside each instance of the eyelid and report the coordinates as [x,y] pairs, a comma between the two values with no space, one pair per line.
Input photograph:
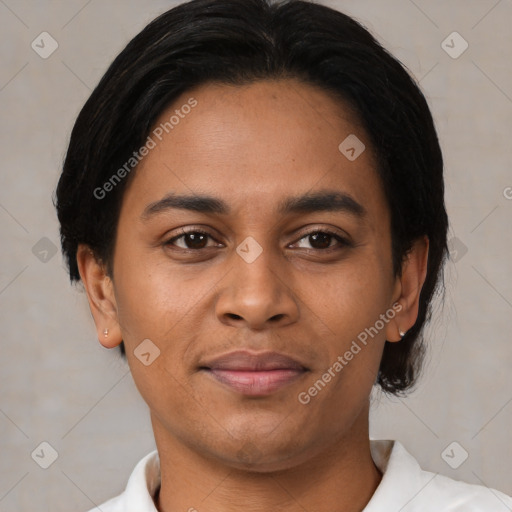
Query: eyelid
[327,230]
[185,231]
[343,239]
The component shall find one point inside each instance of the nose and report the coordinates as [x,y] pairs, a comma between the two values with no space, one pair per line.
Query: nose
[258,294]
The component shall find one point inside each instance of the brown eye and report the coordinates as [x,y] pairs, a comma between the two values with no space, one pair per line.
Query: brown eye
[321,240]
[193,240]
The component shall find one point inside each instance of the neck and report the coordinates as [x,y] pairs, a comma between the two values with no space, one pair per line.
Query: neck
[343,476]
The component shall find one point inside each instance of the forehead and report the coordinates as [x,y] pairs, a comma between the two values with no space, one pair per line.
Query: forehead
[254,145]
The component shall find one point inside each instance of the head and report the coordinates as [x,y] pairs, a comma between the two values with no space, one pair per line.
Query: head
[290,129]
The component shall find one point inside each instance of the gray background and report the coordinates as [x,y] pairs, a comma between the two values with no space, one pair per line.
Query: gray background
[57,384]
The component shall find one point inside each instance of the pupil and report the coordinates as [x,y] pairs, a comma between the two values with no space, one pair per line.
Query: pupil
[195,238]
[322,237]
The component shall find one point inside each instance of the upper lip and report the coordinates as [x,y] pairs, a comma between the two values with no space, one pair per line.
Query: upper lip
[253,361]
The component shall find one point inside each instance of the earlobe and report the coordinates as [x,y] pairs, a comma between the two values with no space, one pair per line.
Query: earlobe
[408,289]
[394,330]
[100,294]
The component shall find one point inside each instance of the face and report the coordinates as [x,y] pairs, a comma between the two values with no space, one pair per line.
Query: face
[263,268]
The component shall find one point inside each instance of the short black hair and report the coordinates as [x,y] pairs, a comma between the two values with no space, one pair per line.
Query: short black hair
[239,42]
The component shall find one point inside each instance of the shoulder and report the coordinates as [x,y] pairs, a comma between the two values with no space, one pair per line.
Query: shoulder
[407,487]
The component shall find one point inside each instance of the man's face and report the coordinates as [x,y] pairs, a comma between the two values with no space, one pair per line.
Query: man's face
[307,294]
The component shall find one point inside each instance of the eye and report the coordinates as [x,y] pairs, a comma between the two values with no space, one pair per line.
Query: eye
[321,239]
[193,239]
[196,239]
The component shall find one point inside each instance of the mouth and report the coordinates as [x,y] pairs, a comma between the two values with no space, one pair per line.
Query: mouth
[254,374]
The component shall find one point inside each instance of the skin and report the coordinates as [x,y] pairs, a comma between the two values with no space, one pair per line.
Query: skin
[253,146]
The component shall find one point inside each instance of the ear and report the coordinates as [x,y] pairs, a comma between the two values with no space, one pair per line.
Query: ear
[408,288]
[100,293]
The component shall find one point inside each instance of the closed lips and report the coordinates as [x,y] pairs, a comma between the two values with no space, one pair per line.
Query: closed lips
[247,361]
[254,374]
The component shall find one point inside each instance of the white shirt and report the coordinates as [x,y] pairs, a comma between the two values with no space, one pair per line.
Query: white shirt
[404,487]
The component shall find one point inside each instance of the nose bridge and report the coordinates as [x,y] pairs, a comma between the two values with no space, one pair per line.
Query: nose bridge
[256,265]
[256,290]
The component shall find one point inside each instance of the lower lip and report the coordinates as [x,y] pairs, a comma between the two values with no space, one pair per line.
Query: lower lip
[256,383]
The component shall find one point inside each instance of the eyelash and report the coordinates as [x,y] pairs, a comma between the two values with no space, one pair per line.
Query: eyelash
[343,241]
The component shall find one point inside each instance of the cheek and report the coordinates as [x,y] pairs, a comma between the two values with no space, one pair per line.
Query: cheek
[147,301]
[162,304]
[355,295]
[352,303]
[154,306]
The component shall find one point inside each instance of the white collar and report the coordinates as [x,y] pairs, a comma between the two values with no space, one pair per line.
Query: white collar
[404,487]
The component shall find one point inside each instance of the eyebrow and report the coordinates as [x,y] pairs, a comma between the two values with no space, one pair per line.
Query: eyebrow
[319,201]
